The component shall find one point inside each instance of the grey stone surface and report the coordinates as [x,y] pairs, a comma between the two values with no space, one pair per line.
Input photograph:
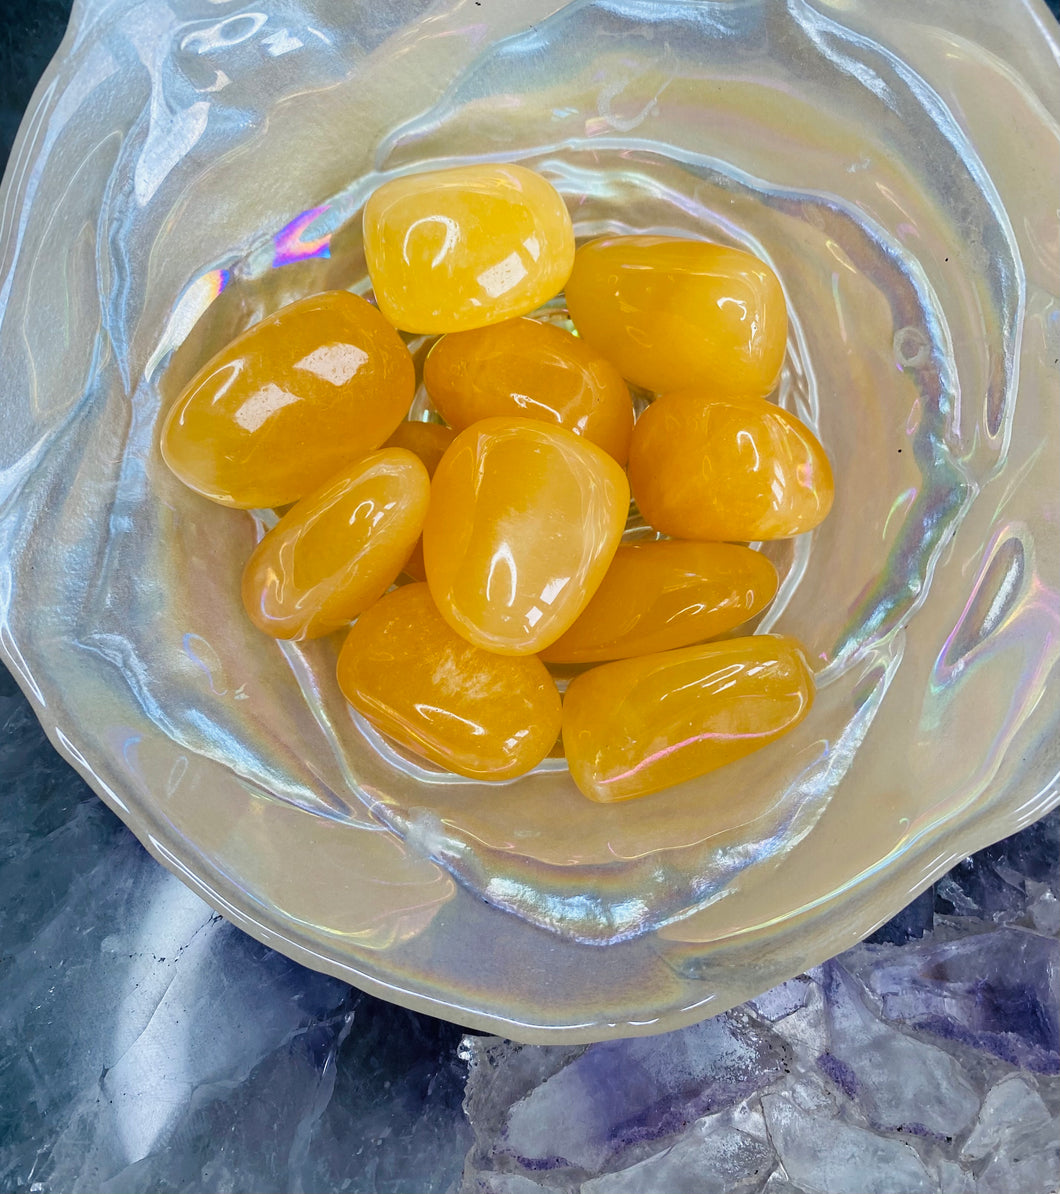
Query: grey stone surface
[148,1045]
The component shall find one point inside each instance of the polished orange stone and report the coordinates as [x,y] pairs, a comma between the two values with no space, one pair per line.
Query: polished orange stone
[639,725]
[702,467]
[523,523]
[481,715]
[668,593]
[429,441]
[339,548]
[673,313]
[454,249]
[290,402]
[525,368]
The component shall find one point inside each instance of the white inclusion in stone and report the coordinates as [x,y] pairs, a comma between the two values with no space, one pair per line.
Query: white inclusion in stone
[334,363]
[554,589]
[500,278]
[260,407]
[821,1154]
[1018,1134]
[710,1158]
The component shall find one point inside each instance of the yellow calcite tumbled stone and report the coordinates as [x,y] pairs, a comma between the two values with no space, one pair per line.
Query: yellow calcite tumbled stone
[289,402]
[429,441]
[673,313]
[639,725]
[528,369]
[702,467]
[481,715]
[339,548]
[449,250]
[523,523]
[664,594]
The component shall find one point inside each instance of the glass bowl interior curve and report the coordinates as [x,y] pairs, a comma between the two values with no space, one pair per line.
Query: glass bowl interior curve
[186,168]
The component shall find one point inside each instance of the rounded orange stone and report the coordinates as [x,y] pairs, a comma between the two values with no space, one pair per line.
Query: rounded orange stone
[663,594]
[523,523]
[429,441]
[673,313]
[481,715]
[525,368]
[460,248]
[289,402]
[338,549]
[639,725]
[702,467]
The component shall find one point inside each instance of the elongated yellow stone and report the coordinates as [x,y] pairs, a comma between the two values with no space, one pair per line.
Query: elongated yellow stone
[703,467]
[639,725]
[664,594]
[528,369]
[673,313]
[339,548]
[289,402]
[454,249]
[523,523]
[481,715]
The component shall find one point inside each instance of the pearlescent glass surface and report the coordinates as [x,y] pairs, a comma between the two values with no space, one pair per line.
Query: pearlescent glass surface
[187,168]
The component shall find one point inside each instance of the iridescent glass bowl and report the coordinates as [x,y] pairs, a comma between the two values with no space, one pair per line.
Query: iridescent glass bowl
[187,167]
